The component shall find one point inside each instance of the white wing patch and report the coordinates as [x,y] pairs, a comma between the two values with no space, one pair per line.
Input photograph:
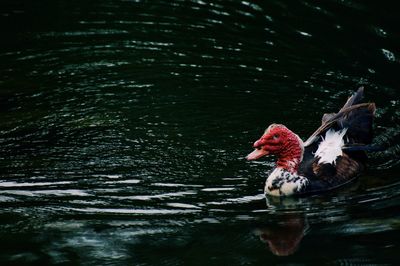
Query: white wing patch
[331,146]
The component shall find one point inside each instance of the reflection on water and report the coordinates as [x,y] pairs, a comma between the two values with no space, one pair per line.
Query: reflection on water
[284,237]
[123,126]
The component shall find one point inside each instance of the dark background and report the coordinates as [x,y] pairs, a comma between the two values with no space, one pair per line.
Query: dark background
[124,126]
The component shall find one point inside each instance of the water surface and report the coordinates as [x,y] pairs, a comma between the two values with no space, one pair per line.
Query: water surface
[124,126]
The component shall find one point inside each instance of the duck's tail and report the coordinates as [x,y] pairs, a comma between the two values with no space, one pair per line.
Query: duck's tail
[357,117]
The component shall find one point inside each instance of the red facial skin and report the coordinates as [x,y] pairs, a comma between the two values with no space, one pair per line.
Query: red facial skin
[281,142]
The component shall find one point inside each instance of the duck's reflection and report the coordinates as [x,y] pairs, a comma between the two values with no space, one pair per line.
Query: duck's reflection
[283,234]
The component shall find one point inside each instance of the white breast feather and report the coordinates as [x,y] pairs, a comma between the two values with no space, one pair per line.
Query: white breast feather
[331,146]
[283,183]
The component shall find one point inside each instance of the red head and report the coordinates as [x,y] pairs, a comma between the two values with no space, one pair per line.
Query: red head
[280,141]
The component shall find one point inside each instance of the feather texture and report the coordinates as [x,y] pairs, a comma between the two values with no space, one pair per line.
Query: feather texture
[332,156]
[331,146]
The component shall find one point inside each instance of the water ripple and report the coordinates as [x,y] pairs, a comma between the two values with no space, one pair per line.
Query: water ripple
[128,121]
[139,212]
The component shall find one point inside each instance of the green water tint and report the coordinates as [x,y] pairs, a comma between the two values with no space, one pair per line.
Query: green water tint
[124,126]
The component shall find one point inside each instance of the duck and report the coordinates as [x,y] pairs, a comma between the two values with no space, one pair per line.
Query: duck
[333,156]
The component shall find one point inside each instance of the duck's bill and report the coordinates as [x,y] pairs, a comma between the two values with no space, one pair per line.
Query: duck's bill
[257,153]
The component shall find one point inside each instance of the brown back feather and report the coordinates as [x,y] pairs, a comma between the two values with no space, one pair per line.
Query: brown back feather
[343,171]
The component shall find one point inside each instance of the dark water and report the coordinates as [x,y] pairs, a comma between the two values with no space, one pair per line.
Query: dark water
[124,126]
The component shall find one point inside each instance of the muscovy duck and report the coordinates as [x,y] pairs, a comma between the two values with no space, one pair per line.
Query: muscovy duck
[332,156]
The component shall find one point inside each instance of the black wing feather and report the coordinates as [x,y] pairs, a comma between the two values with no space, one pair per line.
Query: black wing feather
[357,117]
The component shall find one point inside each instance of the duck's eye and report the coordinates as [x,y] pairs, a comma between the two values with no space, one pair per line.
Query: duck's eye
[276,136]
